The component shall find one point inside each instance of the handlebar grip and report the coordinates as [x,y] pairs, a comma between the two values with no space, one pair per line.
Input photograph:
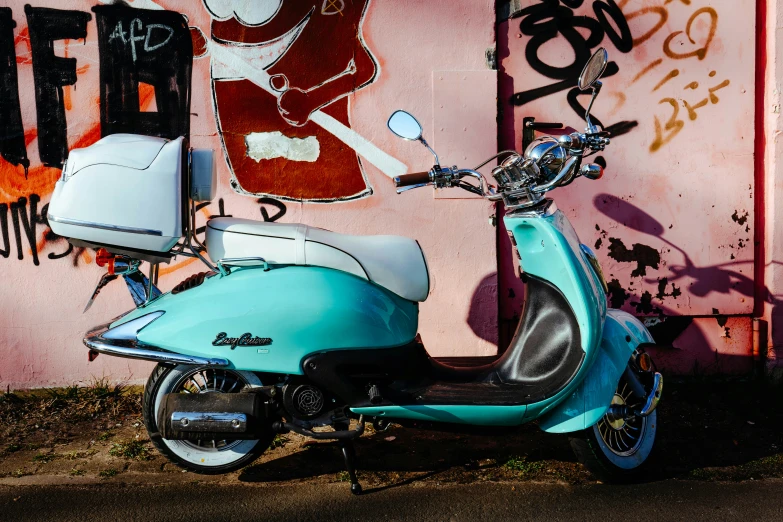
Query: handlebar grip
[541,125]
[406,180]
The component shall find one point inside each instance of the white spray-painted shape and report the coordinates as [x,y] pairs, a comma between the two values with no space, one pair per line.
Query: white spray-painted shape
[270,145]
[248,12]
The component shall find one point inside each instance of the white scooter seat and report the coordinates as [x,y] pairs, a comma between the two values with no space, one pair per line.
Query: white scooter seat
[393,262]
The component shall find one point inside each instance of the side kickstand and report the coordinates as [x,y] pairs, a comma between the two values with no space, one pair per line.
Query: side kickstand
[349,455]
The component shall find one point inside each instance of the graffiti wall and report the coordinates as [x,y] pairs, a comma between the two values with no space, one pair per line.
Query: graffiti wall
[672,220]
[293,94]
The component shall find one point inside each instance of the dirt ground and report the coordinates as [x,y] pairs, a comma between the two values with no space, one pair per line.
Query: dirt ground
[709,430]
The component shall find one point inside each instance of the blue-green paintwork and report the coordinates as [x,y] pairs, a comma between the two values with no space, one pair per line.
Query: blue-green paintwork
[588,403]
[461,414]
[306,310]
[302,309]
[550,250]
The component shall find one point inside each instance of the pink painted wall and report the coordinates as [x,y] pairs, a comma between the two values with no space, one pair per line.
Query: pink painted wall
[672,220]
[414,45]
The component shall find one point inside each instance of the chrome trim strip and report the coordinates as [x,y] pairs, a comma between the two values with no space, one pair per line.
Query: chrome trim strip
[128,331]
[132,350]
[209,422]
[104,226]
[546,210]
[654,397]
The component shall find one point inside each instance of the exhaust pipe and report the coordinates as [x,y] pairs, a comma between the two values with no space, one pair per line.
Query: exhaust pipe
[208,416]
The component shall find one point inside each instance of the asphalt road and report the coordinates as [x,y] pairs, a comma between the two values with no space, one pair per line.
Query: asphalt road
[668,500]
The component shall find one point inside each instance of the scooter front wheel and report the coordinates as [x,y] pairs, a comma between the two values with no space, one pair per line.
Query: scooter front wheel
[617,449]
[207,456]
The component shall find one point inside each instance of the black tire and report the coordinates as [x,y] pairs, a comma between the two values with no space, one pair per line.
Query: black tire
[161,376]
[607,461]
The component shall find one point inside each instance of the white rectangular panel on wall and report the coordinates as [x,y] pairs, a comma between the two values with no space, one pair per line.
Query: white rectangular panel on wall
[672,219]
[465,122]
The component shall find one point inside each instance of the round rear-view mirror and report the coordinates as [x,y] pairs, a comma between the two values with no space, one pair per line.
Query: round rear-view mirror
[594,68]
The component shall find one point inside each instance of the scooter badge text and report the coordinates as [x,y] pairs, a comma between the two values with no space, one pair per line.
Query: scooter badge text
[246,339]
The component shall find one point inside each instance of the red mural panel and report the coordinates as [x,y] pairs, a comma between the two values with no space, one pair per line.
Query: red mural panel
[316,57]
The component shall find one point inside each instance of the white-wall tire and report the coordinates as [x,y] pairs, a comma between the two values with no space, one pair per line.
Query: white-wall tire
[615,454]
[197,457]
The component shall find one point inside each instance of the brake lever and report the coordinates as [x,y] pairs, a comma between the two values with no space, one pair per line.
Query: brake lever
[411,187]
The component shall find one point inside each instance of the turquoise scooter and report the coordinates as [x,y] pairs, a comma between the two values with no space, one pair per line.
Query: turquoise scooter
[299,328]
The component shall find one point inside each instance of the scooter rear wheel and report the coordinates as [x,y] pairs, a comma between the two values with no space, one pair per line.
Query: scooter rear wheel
[617,449]
[206,457]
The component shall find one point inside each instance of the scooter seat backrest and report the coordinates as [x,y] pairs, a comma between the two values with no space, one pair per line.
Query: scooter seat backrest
[393,262]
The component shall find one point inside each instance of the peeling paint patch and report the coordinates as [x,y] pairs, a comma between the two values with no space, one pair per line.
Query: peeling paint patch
[617,294]
[270,145]
[601,236]
[644,256]
[740,220]
[665,330]
[644,306]
[662,283]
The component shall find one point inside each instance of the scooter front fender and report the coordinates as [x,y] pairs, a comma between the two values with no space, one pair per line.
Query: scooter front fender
[622,333]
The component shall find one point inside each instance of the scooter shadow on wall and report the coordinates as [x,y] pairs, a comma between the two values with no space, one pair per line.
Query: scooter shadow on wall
[704,280]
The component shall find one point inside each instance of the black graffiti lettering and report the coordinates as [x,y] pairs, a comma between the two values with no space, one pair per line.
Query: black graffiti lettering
[566,85]
[604,10]
[544,22]
[25,218]
[281,208]
[12,147]
[620,128]
[221,213]
[156,49]
[51,73]
[6,250]
[521,98]
[551,19]
[49,235]
[24,223]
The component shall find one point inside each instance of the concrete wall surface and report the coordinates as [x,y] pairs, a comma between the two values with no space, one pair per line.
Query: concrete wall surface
[73,71]
[683,221]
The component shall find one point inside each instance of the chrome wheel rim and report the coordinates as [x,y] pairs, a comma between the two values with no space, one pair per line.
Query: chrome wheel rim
[210,380]
[622,435]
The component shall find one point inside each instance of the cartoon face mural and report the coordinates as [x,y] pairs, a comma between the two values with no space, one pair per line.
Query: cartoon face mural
[315,57]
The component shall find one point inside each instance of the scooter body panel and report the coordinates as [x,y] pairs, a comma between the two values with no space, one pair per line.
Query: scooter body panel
[586,405]
[300,309]
[549,249]
[458,414]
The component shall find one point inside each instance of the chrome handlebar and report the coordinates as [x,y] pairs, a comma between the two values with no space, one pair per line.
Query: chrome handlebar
[521,189]
[576,143]
[445,177]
